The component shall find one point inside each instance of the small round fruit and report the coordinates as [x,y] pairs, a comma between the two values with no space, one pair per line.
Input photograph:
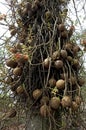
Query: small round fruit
[52,82]
[70,59]
[81,81]
[20,90]
[75,62]
[64,34]
[74,106]
[37,94]
[55,55]
[68,46]
[78,100]
[13,50]
[19,46]
[72,80]
[11,63]
[61,27]
[66,101]
[76,49]
[58,64]
[44,100]
[60,84]
[54,102]
[17,71]
[63,54]
[45,110]
[47,62]
[8,80]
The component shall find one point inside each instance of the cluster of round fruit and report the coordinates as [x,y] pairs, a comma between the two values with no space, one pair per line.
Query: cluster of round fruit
[16,63]
[48,105]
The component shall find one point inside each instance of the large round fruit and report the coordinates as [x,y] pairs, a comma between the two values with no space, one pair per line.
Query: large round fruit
[74,106]
[54,102]
[37,94]
[66,101]
[20,90]
[44,100]
[58,64]
[45,110]
[60,84]
[63,54]
[52,82]
[47,62]
[11,63]
[17,71]
[78,100]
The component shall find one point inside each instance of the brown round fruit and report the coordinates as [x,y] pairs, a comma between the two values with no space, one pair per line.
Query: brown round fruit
[17,71]
[55,55]
[37,94]
[66,101]
[13,50]
[74,106]
[44,100]
[68,46]
[11,63]
[19,46]
[81,81]
[64,34]
[75,62]
[52,82]
[70,59]
[61,27]
[78,100]
[54,102]
[58,64]
[45,110]
[76,49]
[20,90]
[8,80]
[72,80]
[47,62]
[63,54]
[60,84]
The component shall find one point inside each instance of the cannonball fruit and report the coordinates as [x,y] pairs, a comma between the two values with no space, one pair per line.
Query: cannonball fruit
[11,63]
[47,62]
[55,55]
[37,93]
[54,102]
[63,54]
[13,50]
[74,106]
[60,84]
[58,64]
[20,90]
[52,82]
[8,80]
[44,110]
[68,46]
[61,27]
[66,101]
[78,100]
[17,71]
[44,100]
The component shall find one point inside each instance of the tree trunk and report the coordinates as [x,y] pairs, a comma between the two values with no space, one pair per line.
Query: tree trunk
[35,121]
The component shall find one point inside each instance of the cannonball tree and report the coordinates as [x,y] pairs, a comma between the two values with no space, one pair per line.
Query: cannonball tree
[43,63]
